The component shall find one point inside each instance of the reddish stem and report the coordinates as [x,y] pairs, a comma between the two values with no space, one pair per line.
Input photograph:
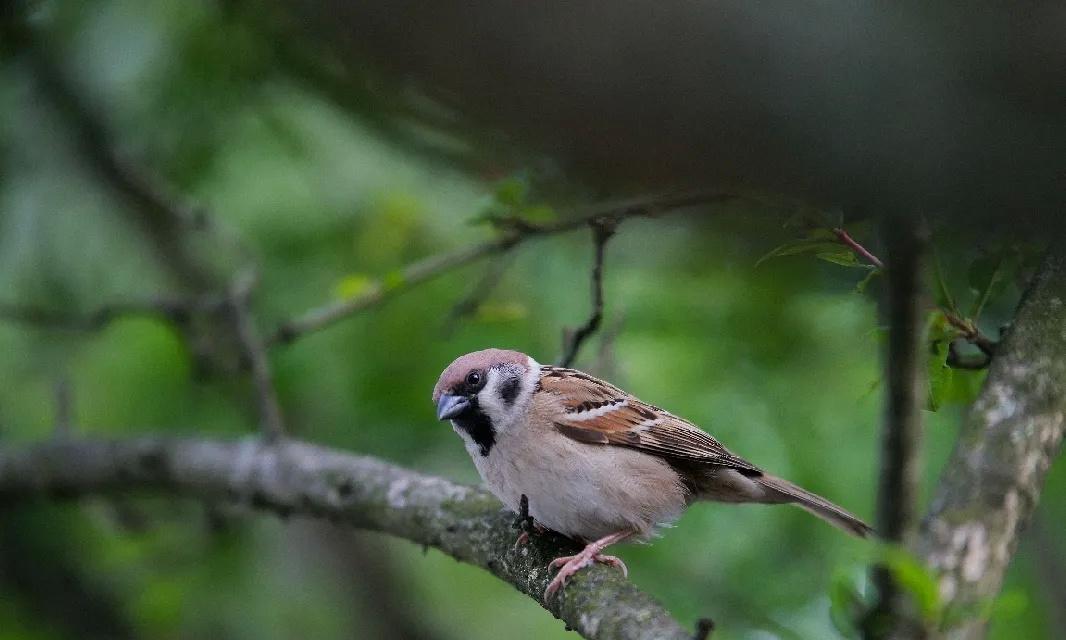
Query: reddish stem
[852,244]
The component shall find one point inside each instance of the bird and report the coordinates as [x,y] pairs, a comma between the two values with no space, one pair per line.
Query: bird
[595,463]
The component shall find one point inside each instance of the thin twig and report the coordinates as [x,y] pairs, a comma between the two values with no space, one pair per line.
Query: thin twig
[957,360]
[253,353]
[172,310]
[479,292]
[852,244]
[971,332]
[606,366]
[602,230]
[410,276]
[965,326]
[426,269]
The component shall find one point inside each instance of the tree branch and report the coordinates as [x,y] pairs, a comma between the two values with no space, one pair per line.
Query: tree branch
[845,239]
[958,360]
[897,491]
[517,232]
[992,482]
[602,230]
[966,327]
[172,309]
[410,276]
[254,356]
[969,330]
[168,221]
[481,290]
[159,215]
[293,478]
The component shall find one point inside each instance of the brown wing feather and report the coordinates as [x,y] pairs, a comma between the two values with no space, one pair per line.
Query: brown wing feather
[601,413]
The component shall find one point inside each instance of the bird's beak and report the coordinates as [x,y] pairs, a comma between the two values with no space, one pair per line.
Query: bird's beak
[450,406]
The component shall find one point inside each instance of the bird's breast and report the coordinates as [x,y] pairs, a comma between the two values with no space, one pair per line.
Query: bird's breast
[581,490]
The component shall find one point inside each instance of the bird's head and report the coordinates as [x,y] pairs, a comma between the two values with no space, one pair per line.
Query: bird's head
[486,390]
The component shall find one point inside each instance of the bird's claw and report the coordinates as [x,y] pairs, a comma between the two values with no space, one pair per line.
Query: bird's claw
[524,536]
[522,539]
[569,565]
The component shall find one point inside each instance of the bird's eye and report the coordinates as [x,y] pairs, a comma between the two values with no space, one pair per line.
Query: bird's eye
[473,378]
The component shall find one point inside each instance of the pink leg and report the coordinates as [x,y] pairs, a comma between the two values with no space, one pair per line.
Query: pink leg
[591,553]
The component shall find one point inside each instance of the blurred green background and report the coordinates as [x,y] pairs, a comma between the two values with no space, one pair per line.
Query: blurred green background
[780,362]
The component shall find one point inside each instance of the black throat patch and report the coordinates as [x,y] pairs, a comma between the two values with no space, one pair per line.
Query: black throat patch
[479,426]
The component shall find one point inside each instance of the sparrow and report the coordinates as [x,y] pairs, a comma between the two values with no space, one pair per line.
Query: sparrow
[595,463]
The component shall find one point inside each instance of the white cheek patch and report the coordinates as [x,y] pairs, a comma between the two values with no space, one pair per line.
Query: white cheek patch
[490,402]
[491,399]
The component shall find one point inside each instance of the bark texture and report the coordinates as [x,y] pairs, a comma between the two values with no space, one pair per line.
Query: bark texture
[293,478]
[992,481]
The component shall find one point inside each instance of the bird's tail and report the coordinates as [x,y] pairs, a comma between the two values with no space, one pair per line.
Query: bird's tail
[814,504]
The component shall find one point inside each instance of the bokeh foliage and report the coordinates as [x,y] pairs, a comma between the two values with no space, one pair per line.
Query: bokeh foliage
[780,360]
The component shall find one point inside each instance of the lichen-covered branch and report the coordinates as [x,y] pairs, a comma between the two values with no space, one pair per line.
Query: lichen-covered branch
[292,478]
[993,480]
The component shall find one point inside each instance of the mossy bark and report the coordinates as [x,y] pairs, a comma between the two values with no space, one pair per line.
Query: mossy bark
[293,478]
[992,482]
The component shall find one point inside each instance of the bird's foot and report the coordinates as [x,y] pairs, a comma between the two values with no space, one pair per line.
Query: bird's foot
[525,522]
[569,565]
[524,536]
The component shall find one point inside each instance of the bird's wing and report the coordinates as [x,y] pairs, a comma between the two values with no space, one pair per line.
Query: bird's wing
[600,413]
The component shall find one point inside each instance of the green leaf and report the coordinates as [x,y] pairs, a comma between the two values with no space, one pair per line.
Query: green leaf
[512,192]
[823,234]
[916,579]
[808,218]
[940,375]
[1009,605]
[844,257]
[860,287]
[943,294]
[939,333]
[538,213]
[938,329]
[802,245]
[965,386]
[846,605]
[947,385]
[984,275]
